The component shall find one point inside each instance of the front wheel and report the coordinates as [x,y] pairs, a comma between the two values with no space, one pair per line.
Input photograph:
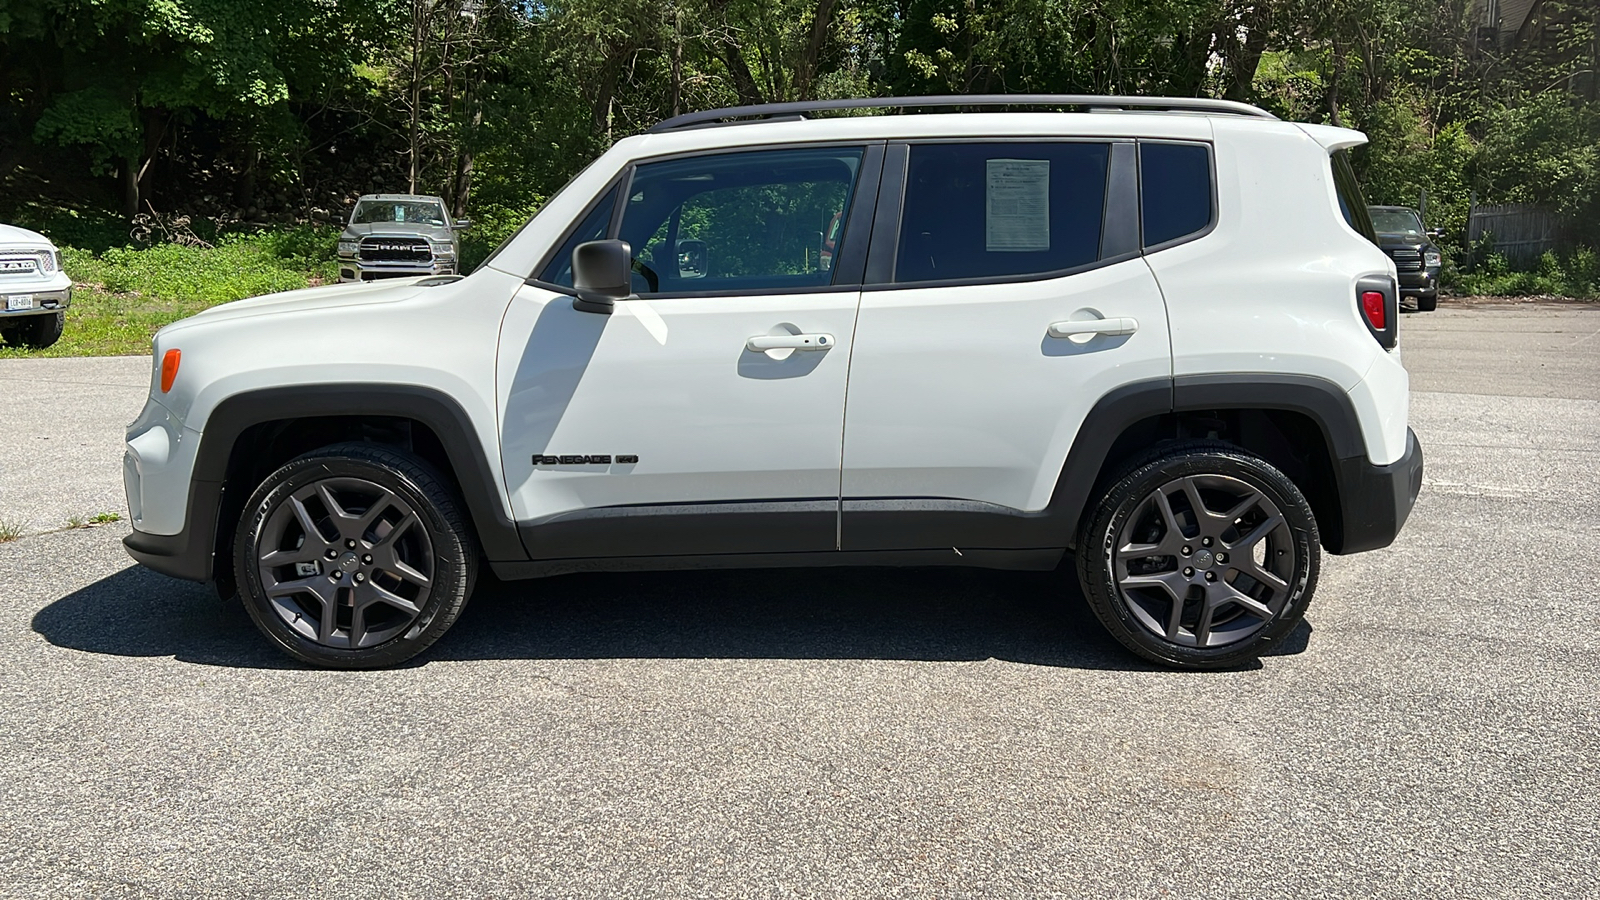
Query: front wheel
[1201,558]
[37,331]
[354,557]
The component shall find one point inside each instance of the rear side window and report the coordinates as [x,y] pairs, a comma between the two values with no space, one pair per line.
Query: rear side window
[1002,210]
[1174,191]
[1352,205]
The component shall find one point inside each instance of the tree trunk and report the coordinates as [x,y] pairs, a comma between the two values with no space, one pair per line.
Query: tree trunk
[1244,60]
[806,75]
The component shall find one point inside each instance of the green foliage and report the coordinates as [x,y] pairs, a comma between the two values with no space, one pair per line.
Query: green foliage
[1576,274]
[239,267]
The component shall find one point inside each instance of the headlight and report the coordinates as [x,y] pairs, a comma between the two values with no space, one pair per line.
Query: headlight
[347,248]
[1432,259]
[444,248]
[47,262]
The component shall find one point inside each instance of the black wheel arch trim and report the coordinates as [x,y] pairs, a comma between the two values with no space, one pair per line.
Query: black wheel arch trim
[190,553]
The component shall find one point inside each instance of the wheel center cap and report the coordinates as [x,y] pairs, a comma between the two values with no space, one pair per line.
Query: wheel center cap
[1203,559]
[349,562]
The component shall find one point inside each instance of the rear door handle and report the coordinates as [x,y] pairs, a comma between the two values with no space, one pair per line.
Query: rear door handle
[761,343]
[1110,327]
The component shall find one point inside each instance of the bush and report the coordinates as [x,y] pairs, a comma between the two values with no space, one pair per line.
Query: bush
[1575,275]
[240,266]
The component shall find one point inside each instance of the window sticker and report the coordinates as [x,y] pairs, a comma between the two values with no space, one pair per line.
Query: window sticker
[1017,205]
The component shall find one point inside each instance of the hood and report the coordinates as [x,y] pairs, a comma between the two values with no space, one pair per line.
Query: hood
[408,229]
[1387,240]
[328,296]
[11,234]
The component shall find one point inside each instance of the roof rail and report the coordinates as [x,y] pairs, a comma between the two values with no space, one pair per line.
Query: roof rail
[769,111]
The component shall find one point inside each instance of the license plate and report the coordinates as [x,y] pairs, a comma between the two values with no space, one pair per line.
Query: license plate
[19,301]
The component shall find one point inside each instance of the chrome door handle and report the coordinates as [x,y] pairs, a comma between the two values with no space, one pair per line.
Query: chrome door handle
[761,343]
[1110,327]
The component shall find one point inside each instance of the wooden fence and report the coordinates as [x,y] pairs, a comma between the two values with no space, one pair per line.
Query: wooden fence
[1521,232]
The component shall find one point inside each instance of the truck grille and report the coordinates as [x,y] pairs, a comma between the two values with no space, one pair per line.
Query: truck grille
[26,263]
[396,250]
[1406,260]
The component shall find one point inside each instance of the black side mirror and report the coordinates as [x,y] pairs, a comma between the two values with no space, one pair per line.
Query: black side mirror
[602,274]
[462,224]
[1435,233]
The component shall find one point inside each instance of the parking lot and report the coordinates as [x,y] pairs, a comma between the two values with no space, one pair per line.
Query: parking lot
[1432,731]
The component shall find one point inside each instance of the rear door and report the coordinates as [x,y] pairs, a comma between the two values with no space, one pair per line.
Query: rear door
[1005,296]
[705,415]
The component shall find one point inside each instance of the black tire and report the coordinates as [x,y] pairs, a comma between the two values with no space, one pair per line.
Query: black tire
[1188,597]
[394,558]
[1427,304]
[37,331]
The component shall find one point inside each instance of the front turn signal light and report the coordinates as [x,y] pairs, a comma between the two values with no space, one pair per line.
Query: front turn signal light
[169,369]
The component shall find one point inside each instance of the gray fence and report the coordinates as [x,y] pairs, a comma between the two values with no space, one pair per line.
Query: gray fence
[1522,232]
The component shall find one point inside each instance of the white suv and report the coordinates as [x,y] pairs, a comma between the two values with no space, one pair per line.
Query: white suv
[1160,340]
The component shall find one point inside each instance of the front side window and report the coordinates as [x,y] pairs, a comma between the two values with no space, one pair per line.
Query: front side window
[760,220]
[1001,210]
[1174,191]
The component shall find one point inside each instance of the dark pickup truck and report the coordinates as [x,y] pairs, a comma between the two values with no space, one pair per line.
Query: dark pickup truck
[1416,257]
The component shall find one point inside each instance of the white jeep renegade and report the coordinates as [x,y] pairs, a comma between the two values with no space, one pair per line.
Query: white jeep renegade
[1161,340]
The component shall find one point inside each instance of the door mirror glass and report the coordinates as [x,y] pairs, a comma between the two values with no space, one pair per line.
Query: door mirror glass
[692,259]
[601,275]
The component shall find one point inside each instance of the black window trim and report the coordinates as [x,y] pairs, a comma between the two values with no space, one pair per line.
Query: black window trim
[891,206]
[854,242]
[1211,160]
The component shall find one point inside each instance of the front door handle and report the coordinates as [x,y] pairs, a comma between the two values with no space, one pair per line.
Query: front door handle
[761,343]
[1091,327]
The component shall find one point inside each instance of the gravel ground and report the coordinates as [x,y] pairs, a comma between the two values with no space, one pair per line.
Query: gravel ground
[1431,731]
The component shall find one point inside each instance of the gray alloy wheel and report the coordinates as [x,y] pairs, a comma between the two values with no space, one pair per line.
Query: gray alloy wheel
[354,556]
[1201,558]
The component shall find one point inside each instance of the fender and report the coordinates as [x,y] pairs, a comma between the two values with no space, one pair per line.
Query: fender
[189,553]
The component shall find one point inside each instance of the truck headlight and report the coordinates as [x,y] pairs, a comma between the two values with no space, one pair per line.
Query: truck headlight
[47,262]
[444,249]
[347,248]
[1432,259]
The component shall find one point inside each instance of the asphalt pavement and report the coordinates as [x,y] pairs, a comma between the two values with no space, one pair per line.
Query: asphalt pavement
[1433,730]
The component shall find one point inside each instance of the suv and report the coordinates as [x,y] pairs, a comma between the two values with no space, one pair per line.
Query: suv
[34,290]
[399,236]
[1417,259]
[1149,339]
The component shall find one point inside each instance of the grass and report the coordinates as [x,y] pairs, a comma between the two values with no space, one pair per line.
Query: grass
[105,518]
[9,531]
[123,296]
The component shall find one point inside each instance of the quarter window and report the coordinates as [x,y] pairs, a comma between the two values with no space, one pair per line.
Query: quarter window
[593,228]
[1001,210]
[755,221]
[1174,190]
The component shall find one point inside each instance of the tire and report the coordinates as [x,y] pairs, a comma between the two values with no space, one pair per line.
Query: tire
[1177,588]
[37,332]
[354,556]
[1427,304]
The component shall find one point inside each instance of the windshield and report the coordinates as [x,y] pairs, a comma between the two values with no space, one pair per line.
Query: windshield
[427,212]
[1397,221]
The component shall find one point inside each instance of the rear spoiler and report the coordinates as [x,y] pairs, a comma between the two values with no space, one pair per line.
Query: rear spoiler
[1332,138]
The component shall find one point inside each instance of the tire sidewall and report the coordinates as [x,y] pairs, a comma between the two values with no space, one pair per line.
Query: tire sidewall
[1098,575]
[451,574]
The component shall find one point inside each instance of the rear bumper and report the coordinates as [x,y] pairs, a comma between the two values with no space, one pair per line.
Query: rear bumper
[1375,501]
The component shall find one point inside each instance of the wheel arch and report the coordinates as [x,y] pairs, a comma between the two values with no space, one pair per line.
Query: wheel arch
[1305,426]
[249,434]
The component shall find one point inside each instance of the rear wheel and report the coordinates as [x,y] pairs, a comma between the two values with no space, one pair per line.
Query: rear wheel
[354,556]
[1201,558]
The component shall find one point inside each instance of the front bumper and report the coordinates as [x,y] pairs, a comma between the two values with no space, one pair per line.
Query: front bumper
[41,300]
[351,270]
[1375,501]
[1419,284]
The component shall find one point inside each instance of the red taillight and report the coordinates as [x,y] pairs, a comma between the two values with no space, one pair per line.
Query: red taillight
[1372,304]
[169,369]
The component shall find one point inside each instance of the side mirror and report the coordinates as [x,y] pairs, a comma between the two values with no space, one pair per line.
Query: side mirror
[601,274]
[692,258]
[462,224]
[1435,233]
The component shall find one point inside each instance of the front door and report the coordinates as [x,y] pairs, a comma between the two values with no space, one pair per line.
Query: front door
[704,416]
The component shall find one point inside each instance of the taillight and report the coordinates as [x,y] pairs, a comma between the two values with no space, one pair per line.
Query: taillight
[169,369]
[1372,304]
[1378,299]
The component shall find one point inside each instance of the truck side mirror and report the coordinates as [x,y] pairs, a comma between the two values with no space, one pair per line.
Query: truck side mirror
[462,224]
[602,274]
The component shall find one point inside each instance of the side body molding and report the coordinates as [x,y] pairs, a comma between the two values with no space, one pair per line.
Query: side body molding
[189,553]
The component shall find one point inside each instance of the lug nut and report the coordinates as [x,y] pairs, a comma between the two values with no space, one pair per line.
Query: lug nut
[1205,542]
[360,578]
[333,576]
[1187,549]
[332,553]
[367,559]
[1188,572]
[1222,557]
[1211,576]
[350,544]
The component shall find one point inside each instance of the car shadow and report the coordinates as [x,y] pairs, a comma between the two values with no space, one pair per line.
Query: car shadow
[1034,618]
